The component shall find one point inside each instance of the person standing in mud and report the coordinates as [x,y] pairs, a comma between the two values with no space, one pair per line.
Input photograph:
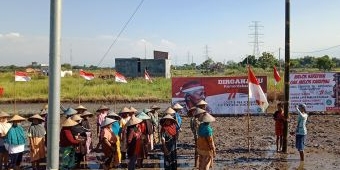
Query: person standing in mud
[301,129]
[177,108]
[168,138]
[36,135]
[85,123]
[279,122]
[205,142]
[155,120]
[15,141]
[146,130]
[67,144]
[134,141]
[102,113]
[4,127]
[125,114]
[109,141]
[194,123]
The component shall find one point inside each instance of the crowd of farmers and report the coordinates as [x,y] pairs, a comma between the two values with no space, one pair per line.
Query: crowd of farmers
[128,134]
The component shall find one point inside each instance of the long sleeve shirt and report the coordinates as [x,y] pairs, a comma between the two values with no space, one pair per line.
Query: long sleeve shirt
[66,138]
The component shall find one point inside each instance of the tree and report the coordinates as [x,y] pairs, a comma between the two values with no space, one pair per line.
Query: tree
[325,63]
[250,59]
[267,60]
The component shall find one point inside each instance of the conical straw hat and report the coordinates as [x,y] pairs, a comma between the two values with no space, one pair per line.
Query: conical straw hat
[132,109]
[45,107]
[76,117]
[167,116]
[146,110]
[201,102]
[207,118]
[102,107]
[70,111]
[81,107]
[133,121]
[16,118]
[199,111]
[114,116]
[43,112]
[169,110]
[154,107]
[107,121]
[4,114]
[143,116]
[69,122]
[36,116]
[124,110]
[177,106]
[86,113]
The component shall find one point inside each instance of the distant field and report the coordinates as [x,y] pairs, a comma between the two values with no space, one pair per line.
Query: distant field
[74,88]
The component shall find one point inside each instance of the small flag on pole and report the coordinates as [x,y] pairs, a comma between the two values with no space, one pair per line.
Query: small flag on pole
[276,76]
[255,90]
[120,78]
[147,76]
[21,76]
[86,75]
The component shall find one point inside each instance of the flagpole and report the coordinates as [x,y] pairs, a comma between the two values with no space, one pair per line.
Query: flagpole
[79,89]
[248,115]
[15,100]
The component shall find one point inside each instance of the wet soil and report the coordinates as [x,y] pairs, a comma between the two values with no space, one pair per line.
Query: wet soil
[231,138]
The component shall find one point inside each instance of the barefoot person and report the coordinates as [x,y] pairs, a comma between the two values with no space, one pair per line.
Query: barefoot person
[301,129]
[15,141]
[279,121]
[36,135]
[205,142]
[168,138]
[4,127]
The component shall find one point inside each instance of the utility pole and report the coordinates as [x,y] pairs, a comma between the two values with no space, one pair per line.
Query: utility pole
[255,36]
[53,120]
[286,79]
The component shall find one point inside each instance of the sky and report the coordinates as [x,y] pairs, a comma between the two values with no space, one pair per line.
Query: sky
[188,30]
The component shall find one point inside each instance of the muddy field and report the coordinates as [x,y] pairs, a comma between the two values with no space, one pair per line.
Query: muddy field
[231,139]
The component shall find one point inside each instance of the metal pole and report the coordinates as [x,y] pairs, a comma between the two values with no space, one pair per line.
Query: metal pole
[286,79]
[53,121]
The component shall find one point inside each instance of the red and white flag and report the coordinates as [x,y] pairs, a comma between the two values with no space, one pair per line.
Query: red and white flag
[21,76]
[120,78]
[86,75]
[276,76]
[255,90]
[147,76]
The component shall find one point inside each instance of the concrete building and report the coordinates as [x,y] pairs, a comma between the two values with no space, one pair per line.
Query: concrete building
[134,67]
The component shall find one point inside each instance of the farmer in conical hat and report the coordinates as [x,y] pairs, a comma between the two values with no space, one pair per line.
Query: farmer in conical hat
[134,141]
[205,142]
[116,129]
[78,131]
[147,131]
[80,109]
[15,140]
[108,139]
[194,124]
[67,144]
[125,114]
[36,135]
[102,112]
[154,112]
[69,112]
[168,138]
[4,127]
[85,123]
[177,108]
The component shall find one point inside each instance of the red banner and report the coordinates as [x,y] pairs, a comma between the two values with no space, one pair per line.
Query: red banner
[225,95]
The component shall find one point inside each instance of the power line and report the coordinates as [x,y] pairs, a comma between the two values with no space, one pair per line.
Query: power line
[319,50]
[121,31]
